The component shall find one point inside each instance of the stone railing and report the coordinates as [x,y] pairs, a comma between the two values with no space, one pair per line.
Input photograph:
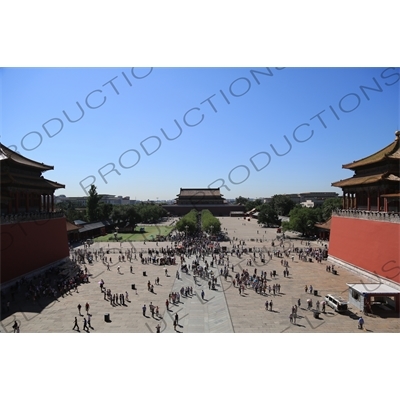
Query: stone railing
[369,215]
[26,217]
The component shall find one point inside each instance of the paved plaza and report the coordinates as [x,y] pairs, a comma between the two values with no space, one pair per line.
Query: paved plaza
[223,310]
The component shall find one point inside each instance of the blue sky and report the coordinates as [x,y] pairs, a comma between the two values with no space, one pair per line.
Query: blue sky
[119,145]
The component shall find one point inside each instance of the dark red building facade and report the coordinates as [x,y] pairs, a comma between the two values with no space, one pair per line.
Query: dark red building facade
[33,236]
[365,234]
[202,199]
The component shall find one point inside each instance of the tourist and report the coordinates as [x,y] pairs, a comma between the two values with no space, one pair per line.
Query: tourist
[76,324]
[88,321]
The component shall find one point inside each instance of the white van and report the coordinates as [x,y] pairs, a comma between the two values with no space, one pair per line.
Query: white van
[336,302]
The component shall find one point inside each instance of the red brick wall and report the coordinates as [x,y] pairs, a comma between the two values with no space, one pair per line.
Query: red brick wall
[27,246]
[370,245]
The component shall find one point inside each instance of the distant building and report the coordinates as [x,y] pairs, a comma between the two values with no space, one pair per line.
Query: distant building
[202,199]
[308,204]
[317,198]
[106,198]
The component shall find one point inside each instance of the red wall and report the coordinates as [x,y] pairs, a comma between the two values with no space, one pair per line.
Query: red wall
[26,246]
[371,245]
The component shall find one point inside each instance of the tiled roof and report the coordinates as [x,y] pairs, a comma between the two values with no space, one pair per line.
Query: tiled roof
[71,227]
[8,154]
[94,225]
[365,180]
[200,193]
[390,151]
[38,182]
[325,225]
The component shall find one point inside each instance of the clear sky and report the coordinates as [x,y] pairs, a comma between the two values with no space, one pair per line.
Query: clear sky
[228,127]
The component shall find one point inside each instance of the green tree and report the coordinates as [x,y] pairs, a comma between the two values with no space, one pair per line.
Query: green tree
[69,210]
[267,215]
[150,213]
[105,210]
[253,204]
[92,205]
[282,204]
[302,219]
[125,216]
[188,223]
[329,205]
[209,223]
[241,200]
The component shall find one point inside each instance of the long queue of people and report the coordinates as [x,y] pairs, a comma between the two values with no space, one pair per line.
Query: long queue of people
[49,284]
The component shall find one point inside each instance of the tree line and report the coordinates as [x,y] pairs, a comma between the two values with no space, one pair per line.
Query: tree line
[301,219]
[189,222]
[128,216]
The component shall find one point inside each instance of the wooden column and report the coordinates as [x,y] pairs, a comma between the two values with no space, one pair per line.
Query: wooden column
[10,202]
[385,204]
[52,203]
[368,202]
[378,203]
[27,202]
[16,202]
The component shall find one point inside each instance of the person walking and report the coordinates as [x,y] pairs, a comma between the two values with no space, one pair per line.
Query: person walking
[79,309]
[144,310]
[361,323]
[87,308]
[88,321]
[84,324]
[158,328]
[202,294]
[76,324]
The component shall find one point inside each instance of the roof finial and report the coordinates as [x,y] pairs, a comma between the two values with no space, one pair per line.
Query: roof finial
[397,133]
